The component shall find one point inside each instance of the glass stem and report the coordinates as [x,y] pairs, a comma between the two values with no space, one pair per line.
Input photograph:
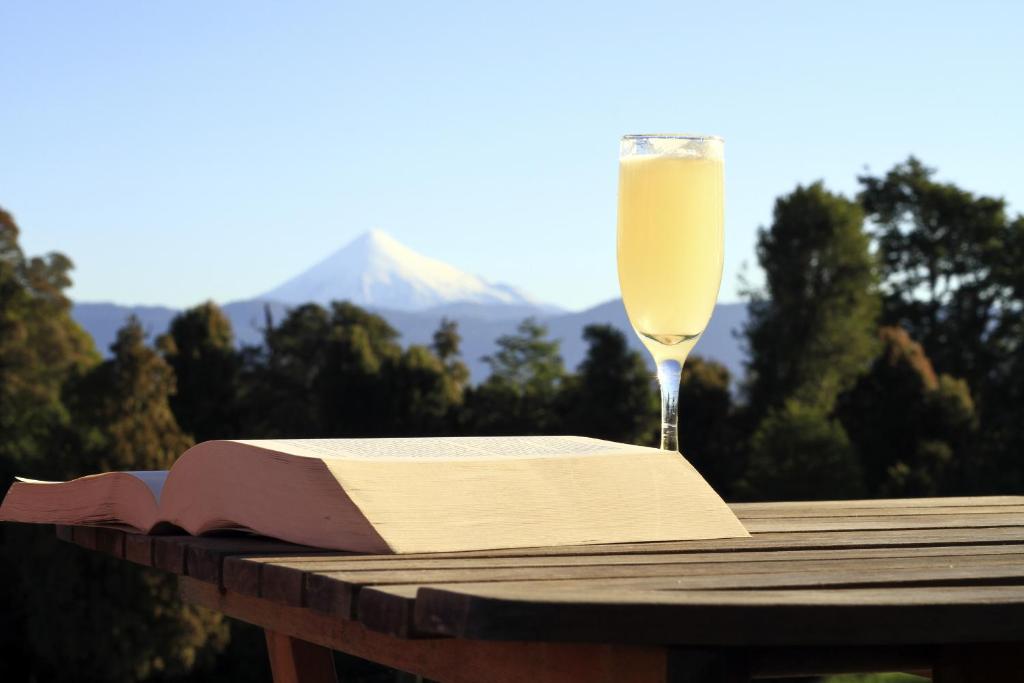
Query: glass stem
[669,372]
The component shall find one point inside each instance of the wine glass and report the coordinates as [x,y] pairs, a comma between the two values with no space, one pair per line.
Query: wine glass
[670,250]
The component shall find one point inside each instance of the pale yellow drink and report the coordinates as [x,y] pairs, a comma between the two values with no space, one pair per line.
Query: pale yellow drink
[670,244]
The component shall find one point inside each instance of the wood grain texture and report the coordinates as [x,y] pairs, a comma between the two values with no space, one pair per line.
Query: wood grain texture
[139,549]
[825,540]
[769,572]
[743,509]
[204,557]
[391,608]
[883,521]
[815,616]
[458,660]
[860,554]
[449,660]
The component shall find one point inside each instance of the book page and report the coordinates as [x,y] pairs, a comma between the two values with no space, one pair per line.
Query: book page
[450,448]
[153,479]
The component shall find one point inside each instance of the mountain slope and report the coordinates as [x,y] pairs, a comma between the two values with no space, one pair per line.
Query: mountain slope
[375,270]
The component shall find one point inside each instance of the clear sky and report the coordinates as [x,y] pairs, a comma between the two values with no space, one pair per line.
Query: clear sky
[179,151]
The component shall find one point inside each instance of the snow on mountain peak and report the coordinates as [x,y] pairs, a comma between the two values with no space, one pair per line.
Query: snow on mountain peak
[377,270]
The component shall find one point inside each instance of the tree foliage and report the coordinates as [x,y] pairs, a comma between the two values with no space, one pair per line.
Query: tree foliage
[799,452]
[521,394]
[612,395]
[953,277]
[811,334]
[912,428]
[707,423]
[811,331]
[70,615]
[200,348]
[951,267]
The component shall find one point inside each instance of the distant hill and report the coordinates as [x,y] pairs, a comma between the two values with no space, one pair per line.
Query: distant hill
[413,292]
[480,326]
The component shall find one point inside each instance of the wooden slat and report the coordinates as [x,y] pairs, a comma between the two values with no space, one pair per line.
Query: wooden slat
[407,562]
[880,503]
[242,575]
[390,611]
[723,617]
[762,512]
[204,557]
[110,542]
[335,592]
[391,608]
[463,661]
[84,536]
[449,660]
[169,553]
[138,548]
[951,521]
[200,557]
[759,542]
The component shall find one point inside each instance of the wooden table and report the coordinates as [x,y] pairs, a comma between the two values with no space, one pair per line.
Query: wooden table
[924,585]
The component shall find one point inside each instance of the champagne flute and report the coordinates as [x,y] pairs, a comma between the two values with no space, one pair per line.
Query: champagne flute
[670,250]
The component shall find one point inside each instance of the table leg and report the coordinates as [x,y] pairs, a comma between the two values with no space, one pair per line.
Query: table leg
[987,663]
[299,661]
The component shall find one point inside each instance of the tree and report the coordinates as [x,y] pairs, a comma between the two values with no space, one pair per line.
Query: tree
[912,428]
[707,432]
[811,332]
[612,395]
[122,420]
[810,336]
[199,346]
[122,407]
[519,397]
[951,262]
[950,267]
[799,453]
[341,373]
[40,348]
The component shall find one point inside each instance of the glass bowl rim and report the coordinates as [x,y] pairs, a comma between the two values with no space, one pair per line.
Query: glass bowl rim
[672,136]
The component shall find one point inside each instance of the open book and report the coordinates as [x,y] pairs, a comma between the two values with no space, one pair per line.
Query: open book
[400,495]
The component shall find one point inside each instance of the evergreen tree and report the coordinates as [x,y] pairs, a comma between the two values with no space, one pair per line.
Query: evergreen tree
[427,394]
[520,395]
[199,346]
[137,627]
[447,346]
[122,407]
[612,395]
[40,348]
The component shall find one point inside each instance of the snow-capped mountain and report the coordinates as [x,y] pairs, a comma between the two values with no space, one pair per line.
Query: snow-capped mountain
[376,270]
